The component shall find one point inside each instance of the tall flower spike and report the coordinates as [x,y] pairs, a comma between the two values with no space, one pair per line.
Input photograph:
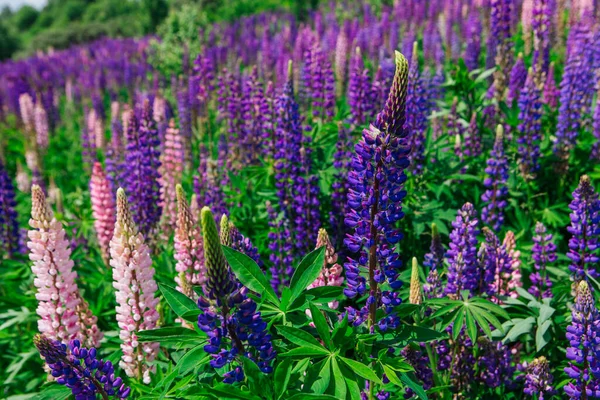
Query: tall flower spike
[530,127]
[415,296]
[57,294]
[375,205]
[135,287]
[103,209]
[510,244]
[171,170]
[543,254]
[538,379]
[79,369]
[583,244]
[473,138]
[189,248]
[582,352]
[496,184]
[331,274]
[40,119]
[518,74]
[416,113]
[497,266]
[463,272]
[434,260]
[9,226]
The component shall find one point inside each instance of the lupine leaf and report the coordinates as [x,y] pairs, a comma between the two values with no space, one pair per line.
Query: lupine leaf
[321,325]
[250,274]
[307,272]
[179,302]
[361,369]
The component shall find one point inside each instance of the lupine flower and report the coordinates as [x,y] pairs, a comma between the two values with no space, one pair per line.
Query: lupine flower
[576,90]
[79,369]
[583,244]
[140,174]
[415,293]
[472,138]
[171,170]
[228,316]
[208,188]
[496,184]
[543,254]
[494,364]
[473,38]
[595,155]
[185,118]
[135,287]
[341,162]
[434,260]
[541,15]
[530,127]
[103,209]
[23,179]
[538,379]
[374,203]
[416,113]
[359,90]
[455,128]
[26,108]
[58,295]
[463,272]
[189,248]
[517,78]
[497,266]
[500,33]
[551,92]
[280,245]
[340,64]
[417,357]
[40,119]
[510,244]
[582,352]
[9,226]
[239,242]
[331,274]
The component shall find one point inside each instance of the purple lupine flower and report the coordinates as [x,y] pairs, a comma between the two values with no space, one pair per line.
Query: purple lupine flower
[501,12]
[375,205]
[320,83]
[416,114]
[227,312]
[495,196]
[140,175]
[434,260]
[79,369]
[185,118]
[473,38]
[339,193]
[463,272]
[203,78]
[517,78]
[473,138]
[494,364]
[280,245]
[582,352]
[243,244]
[595,154]
[541,15]
[255,113]
[551,92]
[497,266]
[543,254]
[9,226]
[538,379]
[583,244]
[207,185]
[576,90]
[530,127]
[417,357]
[359,90]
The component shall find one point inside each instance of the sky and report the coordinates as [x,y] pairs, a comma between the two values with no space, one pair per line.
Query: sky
[15,4]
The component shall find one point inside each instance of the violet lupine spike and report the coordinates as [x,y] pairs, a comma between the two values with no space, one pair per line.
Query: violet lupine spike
[538,379]
[584,229]
[375,205]
[500,32]
[473,138]
[229,318]
[103,209]
[140,175]
[595,154]
[281,248]
[463,273]
[497,266]
[171,171]
[114,156]
[496,193]
[582,352]
[208,186]
[243,244]
[517,78]
[551,92]
[541,24]
[40,119]
[185,119]
[331,274]
[9,226]
[530,127]
[189,248]
[79,369]
[473,38]
[576,91]
[434,260]
[305,204]
[359,90]
[416,113]
[494,364]
[543,254]
[57,294]
[135,291]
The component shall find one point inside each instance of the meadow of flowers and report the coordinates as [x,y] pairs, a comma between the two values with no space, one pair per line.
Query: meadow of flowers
[380,202]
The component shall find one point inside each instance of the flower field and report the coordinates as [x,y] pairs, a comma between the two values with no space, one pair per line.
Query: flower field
[378,201]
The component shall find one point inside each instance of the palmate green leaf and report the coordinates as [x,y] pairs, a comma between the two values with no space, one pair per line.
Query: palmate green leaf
[471,326]
[306,272]
[321,325]
[302,352]
[179,302]
[361,369]
[520,327]
[481,321]
[192,358]
[542,335]
[489,316]
[300,337]
[545,313]
[171,334]
[324,294]
[250,274]
[281,379]
[392,375]
[458,323]
[340,389]
[322,377]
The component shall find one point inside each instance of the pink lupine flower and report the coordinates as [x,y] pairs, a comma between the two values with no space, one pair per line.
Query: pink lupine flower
[189,248]
[40,120]
[133,276]
[52,267]
[171,170]
[26,108]
[88,324]
[95,128]
[515,277]
[23,179]
[103,209]
[331,274]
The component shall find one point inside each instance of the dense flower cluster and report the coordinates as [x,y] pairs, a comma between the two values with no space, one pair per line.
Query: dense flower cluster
[495,196]
[103,208]
[543,254]
[9,227]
